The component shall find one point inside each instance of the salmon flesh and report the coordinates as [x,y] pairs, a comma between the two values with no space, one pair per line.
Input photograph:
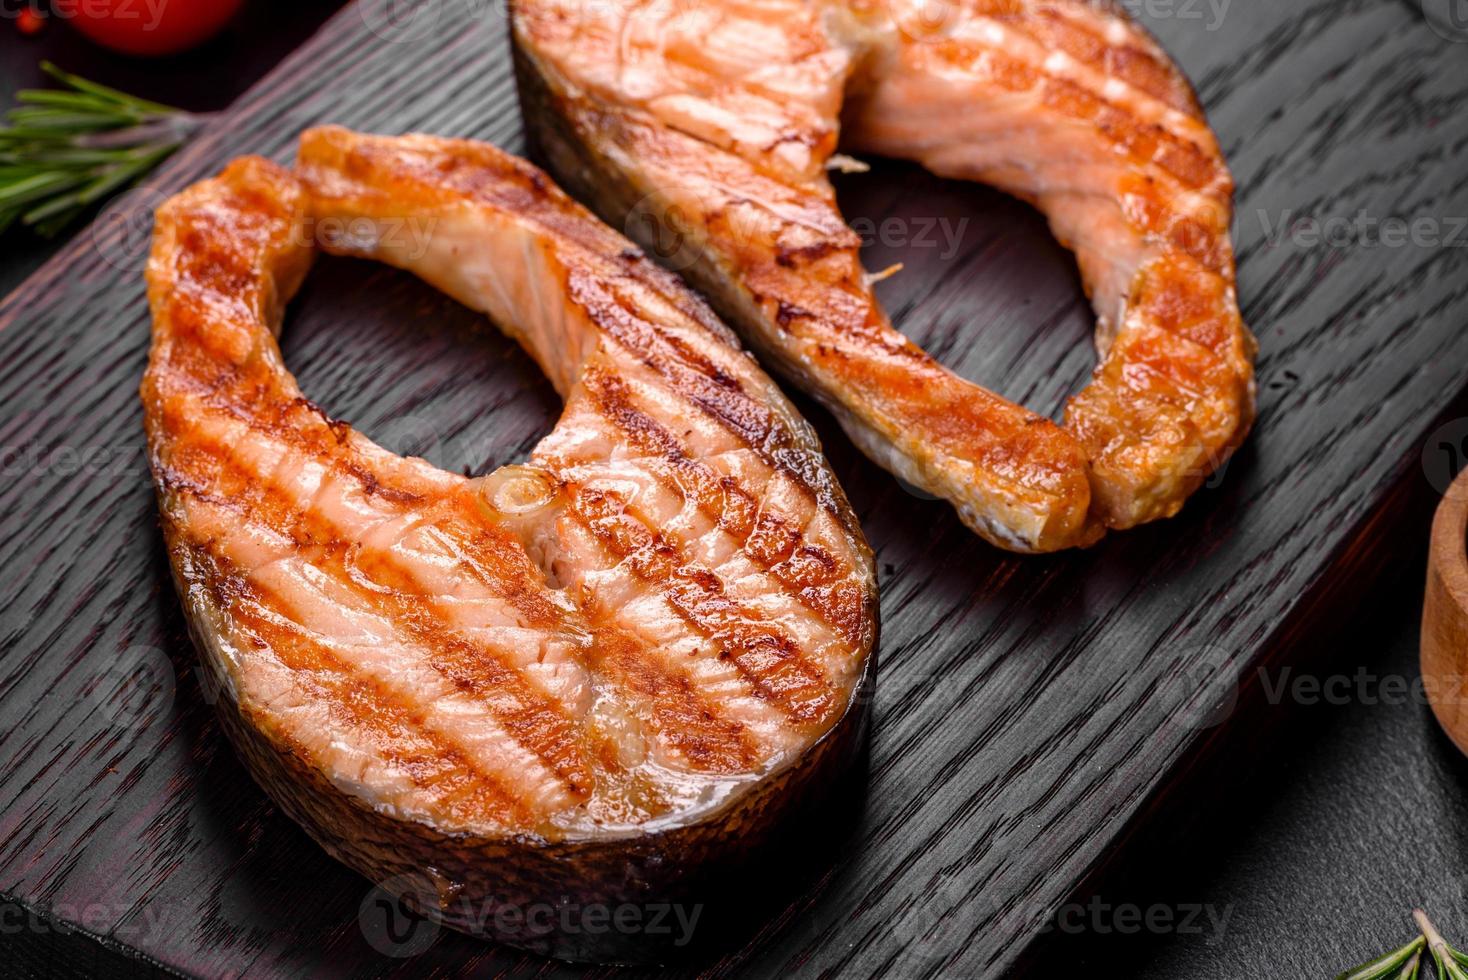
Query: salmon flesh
[586,679]
[706,129]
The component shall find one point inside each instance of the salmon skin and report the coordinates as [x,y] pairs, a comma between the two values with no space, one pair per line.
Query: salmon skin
[708,127]
[582,682]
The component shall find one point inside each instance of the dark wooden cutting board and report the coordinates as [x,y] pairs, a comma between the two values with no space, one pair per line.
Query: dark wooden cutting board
[1028,711]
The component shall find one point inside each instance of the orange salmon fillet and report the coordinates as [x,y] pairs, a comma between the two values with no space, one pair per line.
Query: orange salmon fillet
[594,673]
[707,128]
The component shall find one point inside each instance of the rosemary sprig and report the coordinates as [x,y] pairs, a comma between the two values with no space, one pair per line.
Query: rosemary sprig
[1406,963]
[1448,960]
[64,150]
[1390,966]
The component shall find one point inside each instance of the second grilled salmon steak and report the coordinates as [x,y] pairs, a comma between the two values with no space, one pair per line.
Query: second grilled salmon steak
[573,685]
[707,127]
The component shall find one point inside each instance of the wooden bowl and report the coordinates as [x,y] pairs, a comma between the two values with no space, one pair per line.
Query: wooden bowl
[1445,614]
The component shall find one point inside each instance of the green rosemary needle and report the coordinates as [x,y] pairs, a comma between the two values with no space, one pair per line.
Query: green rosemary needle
[1392,966]
[64,150]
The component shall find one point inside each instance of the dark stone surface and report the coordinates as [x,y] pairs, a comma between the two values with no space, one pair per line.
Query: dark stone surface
[1340,811]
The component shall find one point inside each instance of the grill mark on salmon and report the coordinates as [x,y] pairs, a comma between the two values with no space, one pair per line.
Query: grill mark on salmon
[769,539]
[715,396]
[429,670]
[1138,67]
[702,384]
[532,717]
[283,421]
[392,724]
[718,119]
[714,743]
[536,719]
[761,651]
[499,565]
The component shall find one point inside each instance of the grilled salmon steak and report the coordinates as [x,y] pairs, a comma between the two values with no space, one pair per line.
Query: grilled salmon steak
[707,128]
[575,684]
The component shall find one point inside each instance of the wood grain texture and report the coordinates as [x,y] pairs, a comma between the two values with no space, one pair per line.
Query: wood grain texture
[1028,710]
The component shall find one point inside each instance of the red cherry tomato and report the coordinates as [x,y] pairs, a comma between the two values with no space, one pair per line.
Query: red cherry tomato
[30,22]
[147,26]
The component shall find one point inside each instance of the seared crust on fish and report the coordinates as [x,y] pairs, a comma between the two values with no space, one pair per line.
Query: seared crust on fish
[708,128]
[590,679]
